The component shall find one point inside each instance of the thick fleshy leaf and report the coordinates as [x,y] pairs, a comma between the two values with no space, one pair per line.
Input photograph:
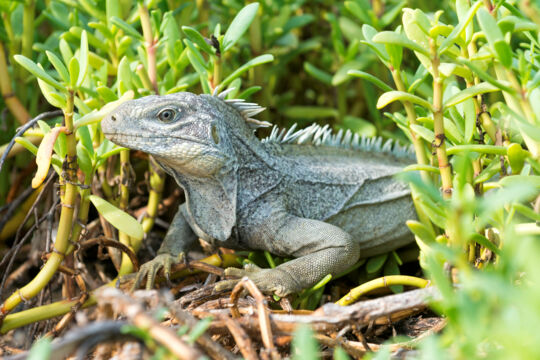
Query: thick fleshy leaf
[458,30]
[73,71]
[372,79]
[50,94]
[318,74]
[128,29]
[239,25]
[259,60]
[425,133]
[83,59]
[495,37]
[375,263]
[118,218]
[198,39]
[96,115]
[58,65]
[38,71]
[516,157]
[393,38]
[391,96]
[468,93]
[310,112]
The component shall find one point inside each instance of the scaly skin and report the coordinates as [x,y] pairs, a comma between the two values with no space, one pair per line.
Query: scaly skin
[326,206]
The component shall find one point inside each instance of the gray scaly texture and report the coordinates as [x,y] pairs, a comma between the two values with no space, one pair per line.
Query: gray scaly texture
[325,199]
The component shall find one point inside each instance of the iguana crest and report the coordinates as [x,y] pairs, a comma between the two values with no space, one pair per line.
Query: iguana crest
[315,134]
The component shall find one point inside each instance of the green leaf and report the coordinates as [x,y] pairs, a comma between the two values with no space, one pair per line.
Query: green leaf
[259,60]
[517,180]
[73,71]
[83,59]
[65,50]
[198,39]
[58,65]
[200,327]
[390,14]
[304,345]
[359,125]
[239,25]
[516,157]
[118,218]
[124,76]
[84,160]
[485,76]
[38,71]
[340,354]
[85,138]
[483,149]
[106,94]
[393,38]
[310,112]
[196,59]
[113,9]
[417,25]
[482,240]
[341,75]
[318,74]
[128,29]
[391,268]
[375,263]
[391,96]
[468,93]
[41,350]
[425,133]
[248,92]
[52,97]
[357,10]
[495,37]
[421,231]
[369,33]
[458,30]
[372,79]
[469,112]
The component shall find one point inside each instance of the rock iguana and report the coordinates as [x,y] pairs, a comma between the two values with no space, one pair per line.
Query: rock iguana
[325,199]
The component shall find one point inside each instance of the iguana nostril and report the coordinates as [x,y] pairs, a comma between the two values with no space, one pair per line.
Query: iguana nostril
[113,118]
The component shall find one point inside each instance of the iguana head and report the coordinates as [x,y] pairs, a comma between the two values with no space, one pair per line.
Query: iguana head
[181,130]
[192,137]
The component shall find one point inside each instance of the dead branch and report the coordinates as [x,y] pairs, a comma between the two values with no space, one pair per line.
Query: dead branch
[215,350]
[136,314]
[262,309]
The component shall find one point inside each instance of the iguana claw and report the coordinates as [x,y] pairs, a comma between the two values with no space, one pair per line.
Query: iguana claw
[269,281]
[150,269]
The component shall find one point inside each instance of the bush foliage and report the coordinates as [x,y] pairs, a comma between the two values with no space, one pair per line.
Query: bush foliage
[459,83]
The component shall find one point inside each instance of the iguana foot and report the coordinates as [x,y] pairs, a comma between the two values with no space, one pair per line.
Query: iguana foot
[269,281]
[151,268]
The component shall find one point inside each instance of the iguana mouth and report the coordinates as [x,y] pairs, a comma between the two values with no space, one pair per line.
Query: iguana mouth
[147,139]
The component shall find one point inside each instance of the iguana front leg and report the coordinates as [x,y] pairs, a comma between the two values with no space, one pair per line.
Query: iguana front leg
[179,239]
[320,249]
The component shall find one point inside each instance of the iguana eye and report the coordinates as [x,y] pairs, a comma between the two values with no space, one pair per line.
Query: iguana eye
[166,115]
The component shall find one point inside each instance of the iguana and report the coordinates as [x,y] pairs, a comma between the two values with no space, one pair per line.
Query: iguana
[325,199]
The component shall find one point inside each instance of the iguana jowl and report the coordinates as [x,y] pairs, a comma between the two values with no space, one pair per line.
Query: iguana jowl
[323,199]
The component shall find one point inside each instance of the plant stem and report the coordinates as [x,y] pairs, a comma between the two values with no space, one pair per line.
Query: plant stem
[150,45]
[65,224]
[62,307]
[28,35]
[438,127]
[126,266]
[418,143]
[11,100]
[157,181]
[381,282]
